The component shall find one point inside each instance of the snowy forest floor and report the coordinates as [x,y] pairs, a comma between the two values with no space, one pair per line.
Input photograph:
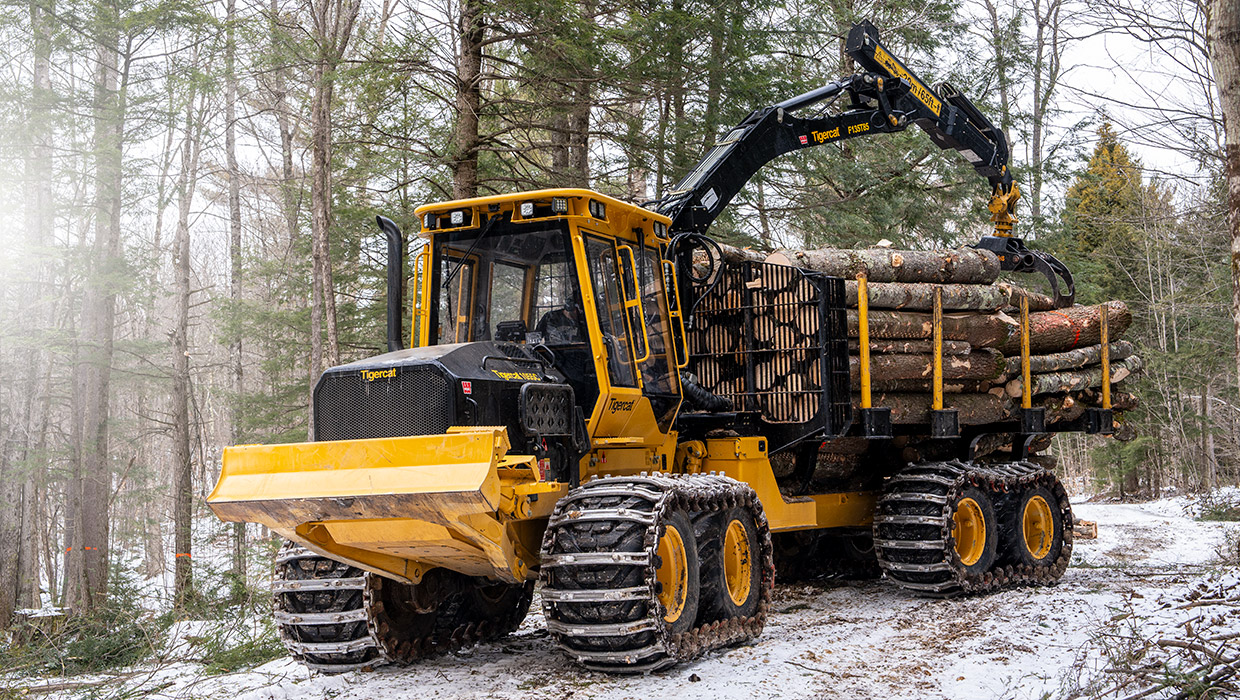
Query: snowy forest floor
[1152,601]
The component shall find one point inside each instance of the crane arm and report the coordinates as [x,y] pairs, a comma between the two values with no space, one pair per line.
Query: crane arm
[883,97]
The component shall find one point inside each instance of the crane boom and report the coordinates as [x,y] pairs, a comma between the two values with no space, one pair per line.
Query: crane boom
[885,96]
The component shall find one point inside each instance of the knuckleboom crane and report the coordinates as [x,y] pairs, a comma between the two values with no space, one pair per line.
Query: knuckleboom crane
[546,426]
[885,96]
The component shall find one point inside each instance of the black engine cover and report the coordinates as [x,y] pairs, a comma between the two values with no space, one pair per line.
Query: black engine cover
[424,391]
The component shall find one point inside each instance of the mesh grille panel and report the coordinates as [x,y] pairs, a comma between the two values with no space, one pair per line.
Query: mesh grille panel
[416,401]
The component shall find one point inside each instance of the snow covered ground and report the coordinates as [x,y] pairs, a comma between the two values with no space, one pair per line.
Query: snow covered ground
[1152,575]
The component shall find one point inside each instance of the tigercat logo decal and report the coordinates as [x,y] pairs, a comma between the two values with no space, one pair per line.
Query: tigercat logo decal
[510,376]
[820,136]
[618,406]
[923,95]
[371,375]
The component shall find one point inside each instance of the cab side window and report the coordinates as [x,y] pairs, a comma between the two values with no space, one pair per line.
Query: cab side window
[605,278]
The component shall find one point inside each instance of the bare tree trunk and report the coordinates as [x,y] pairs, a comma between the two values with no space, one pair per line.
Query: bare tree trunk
[183,467]
[468,101]
[234,246]
[999,42]
[87,565]
[1048,52]
[1224,38]
[333,27]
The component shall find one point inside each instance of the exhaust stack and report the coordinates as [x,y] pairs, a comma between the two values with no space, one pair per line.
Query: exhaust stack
[395,282]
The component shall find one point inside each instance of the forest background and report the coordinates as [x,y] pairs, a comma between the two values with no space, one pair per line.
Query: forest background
[188,192]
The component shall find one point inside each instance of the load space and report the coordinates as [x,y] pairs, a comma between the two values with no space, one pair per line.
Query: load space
[654,427]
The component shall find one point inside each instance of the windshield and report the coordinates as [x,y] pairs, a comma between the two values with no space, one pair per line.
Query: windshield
[511,285]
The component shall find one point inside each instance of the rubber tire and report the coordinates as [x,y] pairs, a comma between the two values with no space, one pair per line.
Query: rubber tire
[504,604]
[990,550]
[715,603]
[688,616]
[1015,524]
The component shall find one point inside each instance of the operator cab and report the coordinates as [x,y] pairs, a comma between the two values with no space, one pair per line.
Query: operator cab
[575,277]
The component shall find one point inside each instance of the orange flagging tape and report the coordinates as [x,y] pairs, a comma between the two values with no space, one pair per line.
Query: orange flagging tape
[183,555]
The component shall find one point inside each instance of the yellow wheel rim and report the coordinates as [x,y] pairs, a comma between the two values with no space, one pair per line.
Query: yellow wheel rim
[969,531]
[1037,527]
[673,574]
[736,562]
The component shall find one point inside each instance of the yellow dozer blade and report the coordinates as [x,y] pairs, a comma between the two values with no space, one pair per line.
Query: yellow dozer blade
[396,506]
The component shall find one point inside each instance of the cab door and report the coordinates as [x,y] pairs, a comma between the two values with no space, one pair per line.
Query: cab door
[623,415]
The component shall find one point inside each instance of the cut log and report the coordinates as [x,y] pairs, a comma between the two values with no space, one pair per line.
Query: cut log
[1084,529]
[1037,302]
[1075,380]
[732,254]
[1072,359]
[1050,331]
[910,347]
[978,330]
[980,364]
[1068,329]
[962,266]
[919,296]
[914,386]
[972,409]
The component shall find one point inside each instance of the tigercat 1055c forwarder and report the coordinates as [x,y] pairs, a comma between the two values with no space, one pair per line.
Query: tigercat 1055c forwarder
[548,425]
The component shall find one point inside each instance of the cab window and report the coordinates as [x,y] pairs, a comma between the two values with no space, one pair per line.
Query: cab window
[605,280]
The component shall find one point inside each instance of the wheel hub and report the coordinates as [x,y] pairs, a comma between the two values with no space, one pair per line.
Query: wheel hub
[1037,527]
[737,564]
[969,531]
[672,574]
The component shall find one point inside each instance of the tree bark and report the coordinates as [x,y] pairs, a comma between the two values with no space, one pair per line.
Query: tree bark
[1223,36]
[468,101]
[962,266]
[919,296]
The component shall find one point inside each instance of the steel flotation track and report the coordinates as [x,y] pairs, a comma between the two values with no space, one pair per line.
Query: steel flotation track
[334,617]
[642,572]
[945,528]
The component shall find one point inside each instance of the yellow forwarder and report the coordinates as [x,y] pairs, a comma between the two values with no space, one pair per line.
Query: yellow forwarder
[547,426]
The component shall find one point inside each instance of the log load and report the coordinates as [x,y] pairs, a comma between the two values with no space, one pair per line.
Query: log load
[774,314]
[961,266]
